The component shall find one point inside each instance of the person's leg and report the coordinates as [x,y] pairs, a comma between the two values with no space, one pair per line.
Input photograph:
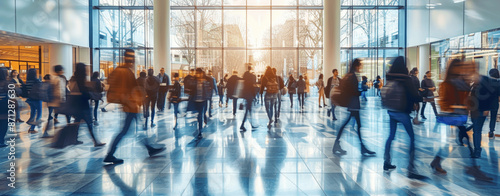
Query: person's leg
[493,119]
[4,126]
[38,111]
[145,111]
[433,104]
[478,128]
[405,120]
[279,105]
[272,108]
[235,103]
[153,110]
[422,112]
[333,111]
[341,130]
[267,104]
[248,102]
[49,117]
[201,114]
[392,133]
[357,117]
[32,114]
[87,117]
[299,98]
[128,120]
[17,111]
[291,100]
[96,107]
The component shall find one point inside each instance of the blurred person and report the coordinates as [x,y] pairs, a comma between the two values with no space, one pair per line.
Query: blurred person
[59,90]
[125,91]
[46,79]
[230,90]
[4,103]
[257,90]
[281,84]
[416,82]
[428,87]
[141,80]
[401,95]
[153,89]
[220,89]
[175,97]
[352,91]
[321,90]
[292,85]
[97,89]
[364,87]
[34,103]
[162,93]
[14,79]
[308,85]
[377,84]
[270,84]
[213,84]
[301,91]
[84,112]
[189,81]
[333,82]
[495,77]
[248,94]
[199,98]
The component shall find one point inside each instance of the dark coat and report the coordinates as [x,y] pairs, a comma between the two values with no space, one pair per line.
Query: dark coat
[411,91]
[250,80]
[231,85]
[165,80]
[426,84]
[351,90]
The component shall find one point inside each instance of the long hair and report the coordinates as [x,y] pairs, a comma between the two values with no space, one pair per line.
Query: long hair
[320,77]
[354,65]
[80,73]
[95,75]
[452,71]
[398,66]
[269,73]
[31,75]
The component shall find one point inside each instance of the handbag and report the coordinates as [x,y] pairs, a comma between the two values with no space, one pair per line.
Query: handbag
[73,102]
[452,119]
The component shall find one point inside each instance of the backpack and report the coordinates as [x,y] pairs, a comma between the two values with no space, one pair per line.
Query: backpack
[337,94]
[272,86]
[41,91]
[394,96]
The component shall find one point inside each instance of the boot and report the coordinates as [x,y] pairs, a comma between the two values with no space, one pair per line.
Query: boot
[436,165]
[476,154]
[365,151]
[337,149]
[388,166]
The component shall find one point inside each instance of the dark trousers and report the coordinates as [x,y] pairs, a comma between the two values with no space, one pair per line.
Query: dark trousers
[149,104]
[68,117]
[86,115]
[270,103]
[404,119]
[4,126]
[493,118]
[248,112]
[333,111]
[301,97]
[444,151]
[291,99]
[477,124]
[201,108]
[16,109]
[277,106]
[35,112]
[433,104]
[161,100]
[357,117]
[210,107]
[128,120]
[96,107]
[235,103]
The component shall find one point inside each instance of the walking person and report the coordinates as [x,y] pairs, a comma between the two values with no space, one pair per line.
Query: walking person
[321,90]
[364,87]
[50,90]
[220,88]
[377,84]
[398,98]
[98,89]
[308,86]
[270,84]
[34,103]
[213,85]
[282,92]
[162,93]
[124,90]
[292,85]
[230,90]
[249,83]
[352,93]
[495,78]
[416,84]
[175,97]
[59,90]
[199,98]
[152,88]
[332,83]
[14,79]
[301,91]
[428,94]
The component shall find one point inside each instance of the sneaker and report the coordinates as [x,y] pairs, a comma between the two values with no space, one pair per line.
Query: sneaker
[78,142]
[388,166]
[19,120]
[112,159]
[415,175]
[104,110]
[155,151]
[96,123]
[491,135]
[32,131]
[423,117]
[99,144]
[153,125]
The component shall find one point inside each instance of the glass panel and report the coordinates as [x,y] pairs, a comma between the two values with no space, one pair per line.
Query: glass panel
[133,28]
[345,25]
[284,2]
[109,59]
[109,36]
[311,2]
[209,23]
[388,28]
[182,61]
[284,28]
[364,28]
[234,28]
[346,2]
[208,2]
[259,23]
[234,60]
[311,28]
[181,2]
[109,2]
[364,2]
[210,60]
[310,63]
[235,2]
[388,2]
[132,3]
[182,29]
[260,59]
[149,34]
[258,3]
[285,62]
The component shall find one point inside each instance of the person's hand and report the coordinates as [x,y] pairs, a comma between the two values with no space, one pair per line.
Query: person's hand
[421,89]
[485,113]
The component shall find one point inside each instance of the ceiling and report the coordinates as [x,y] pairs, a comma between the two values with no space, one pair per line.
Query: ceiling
[14,39]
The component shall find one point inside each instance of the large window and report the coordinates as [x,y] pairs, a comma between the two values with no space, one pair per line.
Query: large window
[372,30]
[223,35]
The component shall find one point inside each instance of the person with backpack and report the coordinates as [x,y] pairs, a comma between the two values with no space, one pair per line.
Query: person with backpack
[124,90]
[292,85]
[175,97]
[162,93]
[230,90]
[270,84]
[332,83]
[377,84]
[495,77]
[321,90]
[58,93]
[282,92]
[398,97]
[96,94]
[249,83]
[350,96]
[199,97]
[152,88]
[34,103]
[301,90]
[428,94]
[364,87]
[220,89]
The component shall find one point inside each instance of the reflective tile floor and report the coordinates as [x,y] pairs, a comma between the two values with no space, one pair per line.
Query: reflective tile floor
[292,158]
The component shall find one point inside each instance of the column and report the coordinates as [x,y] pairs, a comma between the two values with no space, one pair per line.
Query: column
[423,60]
[162,36]
[61,54]
[331,37]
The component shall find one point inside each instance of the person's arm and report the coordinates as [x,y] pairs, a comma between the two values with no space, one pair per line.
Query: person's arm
[412,91]
[263,85]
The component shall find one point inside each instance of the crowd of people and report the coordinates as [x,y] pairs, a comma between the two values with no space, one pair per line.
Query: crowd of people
[462,94]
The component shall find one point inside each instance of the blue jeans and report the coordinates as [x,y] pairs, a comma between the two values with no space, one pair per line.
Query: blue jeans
[270,100]
[248,112]
[404,119]
[35,112]
[477,124]
[96,106]
[128,120]
[493,118]
[201,108]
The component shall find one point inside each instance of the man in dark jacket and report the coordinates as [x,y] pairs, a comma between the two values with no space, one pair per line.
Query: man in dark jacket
[152,87]
[428,87]
[281,84]
[164,83]
[213,84]
[495,77]
[416,84]
[333,82]
[248,94]
[399,110]
[230,88]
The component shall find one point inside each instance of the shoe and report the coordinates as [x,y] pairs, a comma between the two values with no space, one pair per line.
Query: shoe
[153,125]
[476,154]
[32,131]
[459,140]
[334,118]
[155,151]
[46,135]
[415,175]
[337,149]
[96,123]
[491,135]
[320,107]
[112,159]
[477,174]
[78,142]
[388,166]
[324,105]
[436,166]
[254,127]
[243,129]
[19,120]
[365,151]
[104,110]
[99,144]
[423,117]
[145,127]
[328,112]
